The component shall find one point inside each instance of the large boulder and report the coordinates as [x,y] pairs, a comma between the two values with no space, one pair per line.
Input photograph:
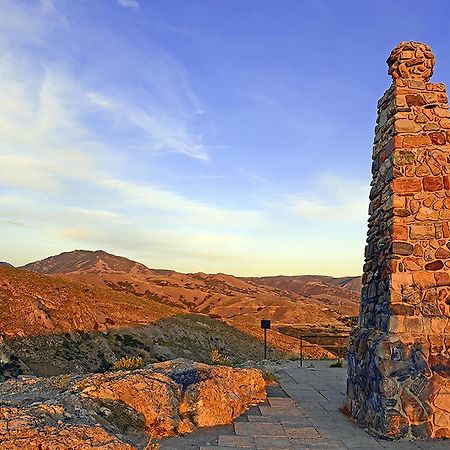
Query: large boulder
[123,409]
[214,395]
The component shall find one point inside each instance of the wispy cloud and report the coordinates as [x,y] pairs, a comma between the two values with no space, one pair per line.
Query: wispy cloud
[55,148]
[161,132]
[129,3]
[331,199]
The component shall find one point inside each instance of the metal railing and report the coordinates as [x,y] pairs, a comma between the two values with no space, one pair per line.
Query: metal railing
[333,343]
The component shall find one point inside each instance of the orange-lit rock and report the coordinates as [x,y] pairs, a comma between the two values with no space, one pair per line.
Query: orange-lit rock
[19,430]
[118,410]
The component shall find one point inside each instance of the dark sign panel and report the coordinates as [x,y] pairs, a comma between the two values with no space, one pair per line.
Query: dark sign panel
[265,324]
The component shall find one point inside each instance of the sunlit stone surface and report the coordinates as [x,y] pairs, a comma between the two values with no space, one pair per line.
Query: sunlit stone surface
[399,358]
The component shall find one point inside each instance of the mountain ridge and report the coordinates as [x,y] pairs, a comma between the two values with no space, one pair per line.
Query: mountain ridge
[45,266]
[5,264]
[306,299]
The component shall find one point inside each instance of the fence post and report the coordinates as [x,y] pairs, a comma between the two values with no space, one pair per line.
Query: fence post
[301,351]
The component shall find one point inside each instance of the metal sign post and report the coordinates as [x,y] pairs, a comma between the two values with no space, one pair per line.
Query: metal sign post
[301,351]
[265,325]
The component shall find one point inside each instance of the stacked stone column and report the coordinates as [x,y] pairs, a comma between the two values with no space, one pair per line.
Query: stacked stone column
[399,357]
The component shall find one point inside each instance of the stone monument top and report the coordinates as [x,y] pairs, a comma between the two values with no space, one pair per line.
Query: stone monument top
[411,60]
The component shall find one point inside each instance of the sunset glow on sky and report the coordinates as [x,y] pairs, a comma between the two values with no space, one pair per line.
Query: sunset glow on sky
[217,136]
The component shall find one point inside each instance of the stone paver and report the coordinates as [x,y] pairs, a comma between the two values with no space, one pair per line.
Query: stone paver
[304,414]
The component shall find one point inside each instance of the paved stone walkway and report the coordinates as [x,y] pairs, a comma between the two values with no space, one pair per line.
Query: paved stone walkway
[301,413]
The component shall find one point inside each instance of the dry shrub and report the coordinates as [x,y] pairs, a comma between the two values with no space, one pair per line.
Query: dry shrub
[269,377]
[344,409]
[61,382]
[152,445]
[217,359]
[128,363]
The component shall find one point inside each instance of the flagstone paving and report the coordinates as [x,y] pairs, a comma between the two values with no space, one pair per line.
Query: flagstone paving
[301,413]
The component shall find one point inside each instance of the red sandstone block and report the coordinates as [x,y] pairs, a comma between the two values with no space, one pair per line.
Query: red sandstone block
[444,214]
[442,253]
[424,279]
[415,100]
[442,97]
[422,231]
[445,230]
[433,184]
[436,87]
[412,264]
[416,84]
[406,185]
[400,232]
[416,141]
[437,138]
[402,248]
[446,180]
[434,265]
[398,201]
[442,278]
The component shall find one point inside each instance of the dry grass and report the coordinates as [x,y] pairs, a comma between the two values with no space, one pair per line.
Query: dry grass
[269,377]
[61,382]
[128,363]
[152,445]
[217,359]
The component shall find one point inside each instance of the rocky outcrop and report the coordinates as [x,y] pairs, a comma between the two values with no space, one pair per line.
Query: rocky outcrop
[214,395]
[20,430]
[123,409]
[399,358]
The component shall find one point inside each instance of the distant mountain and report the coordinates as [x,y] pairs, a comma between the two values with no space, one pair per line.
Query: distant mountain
[35,304]
[241,302]
[86,261]
[82,309]
[339,294]
[5,264]
[351,283]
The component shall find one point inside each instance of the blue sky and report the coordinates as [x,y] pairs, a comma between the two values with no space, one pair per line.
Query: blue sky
[203,135]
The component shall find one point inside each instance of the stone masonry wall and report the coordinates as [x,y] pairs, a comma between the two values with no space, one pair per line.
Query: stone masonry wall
[399,357]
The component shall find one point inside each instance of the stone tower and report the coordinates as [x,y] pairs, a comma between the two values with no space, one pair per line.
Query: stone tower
[399,357]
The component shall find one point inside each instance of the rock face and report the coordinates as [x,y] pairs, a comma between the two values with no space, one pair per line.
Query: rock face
[21,430]
[123,409]
[399,357]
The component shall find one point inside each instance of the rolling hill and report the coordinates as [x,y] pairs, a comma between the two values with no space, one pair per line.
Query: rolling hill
[50,326]
[240,302]
[81,310]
